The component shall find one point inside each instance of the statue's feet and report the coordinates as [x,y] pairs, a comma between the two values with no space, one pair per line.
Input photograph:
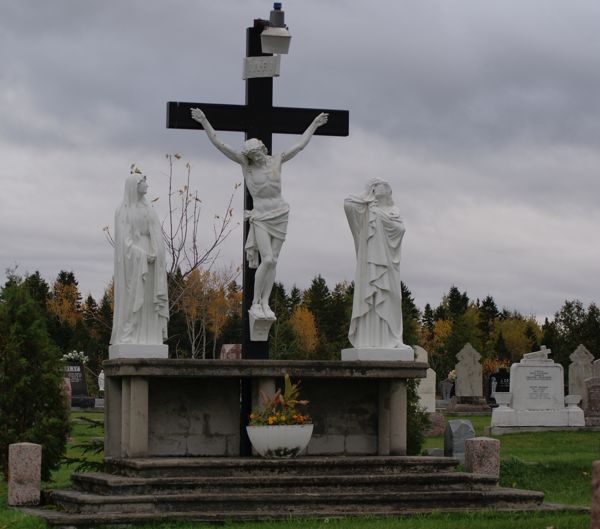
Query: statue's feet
[268,312]
[257,311]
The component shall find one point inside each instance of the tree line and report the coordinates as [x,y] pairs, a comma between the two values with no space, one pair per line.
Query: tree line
[312,323]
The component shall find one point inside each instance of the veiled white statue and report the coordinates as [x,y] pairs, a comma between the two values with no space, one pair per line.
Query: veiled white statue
[269,218]
[141,308]
[376,324]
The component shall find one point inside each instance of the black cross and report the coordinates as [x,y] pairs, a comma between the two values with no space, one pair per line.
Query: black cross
[258,118]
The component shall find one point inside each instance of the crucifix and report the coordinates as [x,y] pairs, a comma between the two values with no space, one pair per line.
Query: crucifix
[258,119]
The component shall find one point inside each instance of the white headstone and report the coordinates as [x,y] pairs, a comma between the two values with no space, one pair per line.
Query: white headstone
[469,374]
[580,369]
[426,387]
[537,396]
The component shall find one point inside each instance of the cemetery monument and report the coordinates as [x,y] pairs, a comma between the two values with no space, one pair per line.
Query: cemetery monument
[141,310]
[269,217]
[468,389]
[536,399]
[377,228]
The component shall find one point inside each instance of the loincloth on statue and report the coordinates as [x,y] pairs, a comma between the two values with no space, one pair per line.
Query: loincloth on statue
[274,222]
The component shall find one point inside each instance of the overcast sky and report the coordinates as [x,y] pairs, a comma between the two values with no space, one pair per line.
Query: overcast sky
[483,116]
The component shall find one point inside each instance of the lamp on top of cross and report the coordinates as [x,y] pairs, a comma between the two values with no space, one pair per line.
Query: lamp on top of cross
[265,210]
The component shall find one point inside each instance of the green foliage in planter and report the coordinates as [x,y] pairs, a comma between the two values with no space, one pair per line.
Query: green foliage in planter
[32,404]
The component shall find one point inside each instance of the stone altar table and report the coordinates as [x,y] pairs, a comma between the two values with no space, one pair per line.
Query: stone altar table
[166,407]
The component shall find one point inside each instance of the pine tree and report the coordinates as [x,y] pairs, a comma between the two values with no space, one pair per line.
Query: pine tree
[410,316]
[32,405]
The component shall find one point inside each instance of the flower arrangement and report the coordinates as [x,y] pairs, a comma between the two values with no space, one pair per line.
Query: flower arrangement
[281,408]
[75,356]
[452,375]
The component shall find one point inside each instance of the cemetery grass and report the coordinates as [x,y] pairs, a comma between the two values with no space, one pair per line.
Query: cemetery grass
[558,463]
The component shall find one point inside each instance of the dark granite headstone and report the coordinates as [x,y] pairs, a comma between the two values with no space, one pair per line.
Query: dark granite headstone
[499,382]
[455,434]
[80,397]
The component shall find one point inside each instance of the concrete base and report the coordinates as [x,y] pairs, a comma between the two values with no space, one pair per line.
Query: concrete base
[500,430]
[505,417]
[260,327]
[192,407]
[379,354]
[134,350]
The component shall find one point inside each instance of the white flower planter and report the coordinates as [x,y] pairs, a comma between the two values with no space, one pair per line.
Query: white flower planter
[280,441]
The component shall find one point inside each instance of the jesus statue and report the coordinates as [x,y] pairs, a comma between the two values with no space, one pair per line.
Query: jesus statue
[269,217]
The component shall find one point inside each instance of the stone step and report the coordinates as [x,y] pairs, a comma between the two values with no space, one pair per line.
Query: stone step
[69,520]
[238,466]
[292,503]
[103,483]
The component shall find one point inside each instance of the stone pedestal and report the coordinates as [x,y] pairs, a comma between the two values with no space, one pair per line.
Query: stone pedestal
[192,407]
[24,473]
[482,456]
[378,354]
[133,350]
[260,327]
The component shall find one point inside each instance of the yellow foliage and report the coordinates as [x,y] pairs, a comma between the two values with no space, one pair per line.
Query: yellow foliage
[64,303]
[441,332]
[303,323]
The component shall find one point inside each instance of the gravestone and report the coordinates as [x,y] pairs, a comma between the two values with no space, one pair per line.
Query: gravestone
[536,399]
[596,368]
[591,407]
[446,387]
[580,369]
[468,389]
[24,473]
[100,397]
[498,382]
[468,373]
[456,433]
[231,351]
[426,387]
[79,392]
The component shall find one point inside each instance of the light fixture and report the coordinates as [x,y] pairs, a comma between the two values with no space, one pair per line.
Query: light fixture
[276,38]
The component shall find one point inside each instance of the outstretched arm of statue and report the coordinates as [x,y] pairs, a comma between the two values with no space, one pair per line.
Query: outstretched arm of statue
[320,120]
[200,117]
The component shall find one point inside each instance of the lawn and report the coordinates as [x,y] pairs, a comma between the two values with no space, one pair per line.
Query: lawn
[557,463]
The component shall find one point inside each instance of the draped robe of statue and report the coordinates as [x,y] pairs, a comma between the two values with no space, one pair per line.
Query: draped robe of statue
[141,309]
[377,304]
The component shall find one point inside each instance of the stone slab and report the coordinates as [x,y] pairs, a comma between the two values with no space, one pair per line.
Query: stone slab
[378,354]
[24,473]
[482,456]
[131,350]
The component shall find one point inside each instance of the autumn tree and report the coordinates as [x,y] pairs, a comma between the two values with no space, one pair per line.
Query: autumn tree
[302,321]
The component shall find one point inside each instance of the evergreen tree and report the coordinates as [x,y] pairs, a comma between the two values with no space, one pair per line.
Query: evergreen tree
[428,319]
[410,316]
[488,312]
[32,404]
[457,303]
[501,349]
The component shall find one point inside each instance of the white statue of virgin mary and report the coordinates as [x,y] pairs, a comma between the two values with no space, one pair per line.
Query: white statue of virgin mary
[376,324]
[141,309]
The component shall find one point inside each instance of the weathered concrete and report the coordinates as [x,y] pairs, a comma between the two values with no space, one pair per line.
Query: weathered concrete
[162,407]
[24,473]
